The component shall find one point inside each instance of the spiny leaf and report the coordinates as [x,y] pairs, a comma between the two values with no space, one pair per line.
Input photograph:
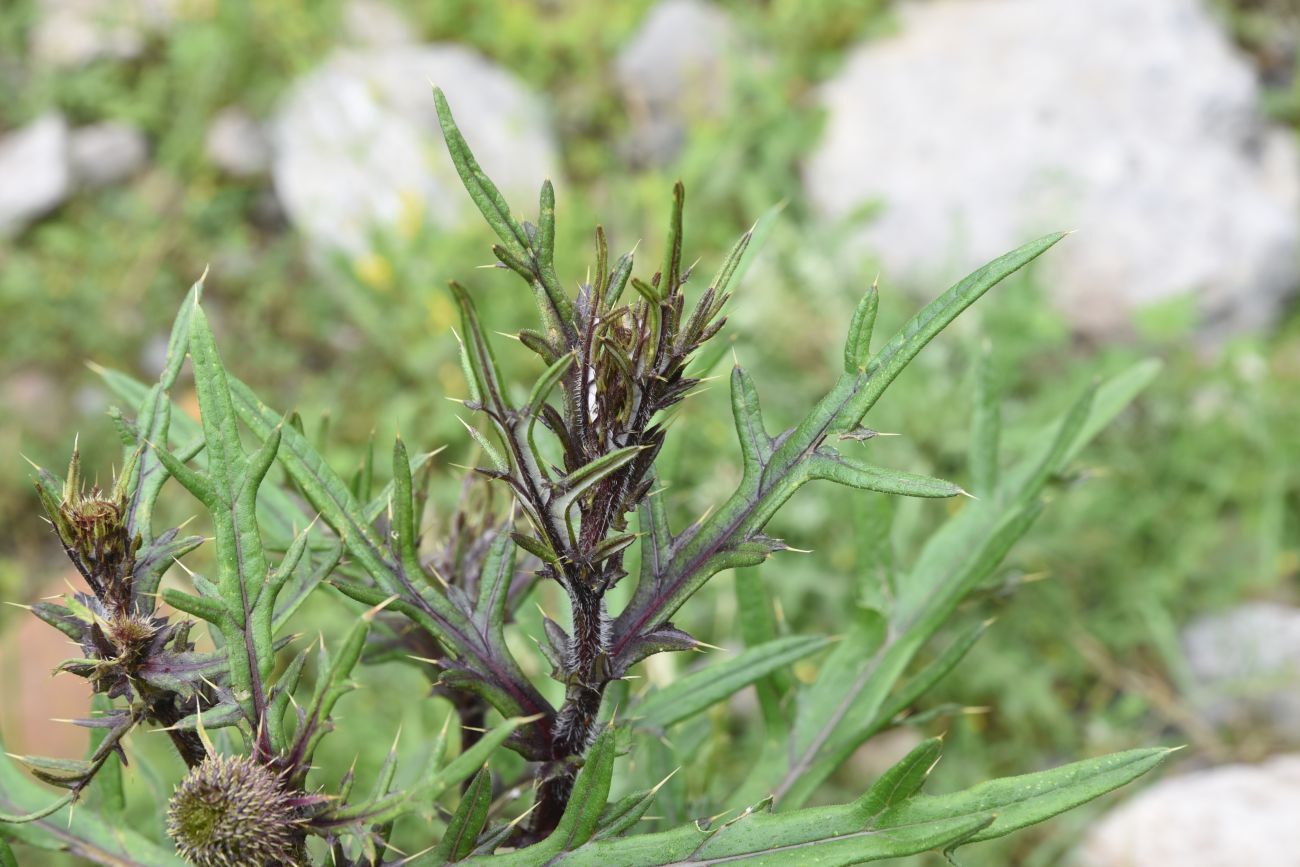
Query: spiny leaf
[708,548]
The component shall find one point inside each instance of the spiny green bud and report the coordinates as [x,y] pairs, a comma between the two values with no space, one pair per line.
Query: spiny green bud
[95,529]
[97,519]
[233,811]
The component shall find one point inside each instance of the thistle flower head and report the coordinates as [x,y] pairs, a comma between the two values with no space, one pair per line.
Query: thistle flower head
[232,811]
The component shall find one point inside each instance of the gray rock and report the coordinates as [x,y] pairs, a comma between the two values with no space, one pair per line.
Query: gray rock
[69,33]
[34,173]
[356,145]
[106,153]
[236,143]
[673,72]
[376,23]
[1230,816]
[1246,666]
[980,125]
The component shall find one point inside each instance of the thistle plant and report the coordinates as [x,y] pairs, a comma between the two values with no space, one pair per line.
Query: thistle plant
[567,493]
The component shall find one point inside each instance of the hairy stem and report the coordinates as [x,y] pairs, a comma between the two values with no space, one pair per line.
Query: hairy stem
[587,674]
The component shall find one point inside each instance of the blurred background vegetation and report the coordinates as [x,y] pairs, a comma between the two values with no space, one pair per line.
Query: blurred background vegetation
[1188,505]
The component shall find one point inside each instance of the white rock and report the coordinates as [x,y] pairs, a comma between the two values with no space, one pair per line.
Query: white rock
[1232,816]
[1246,666]
[34,173]
[981,125]
[673,72]
[70,33]
[376,23]
[105,153]
[356,145]
[237,144]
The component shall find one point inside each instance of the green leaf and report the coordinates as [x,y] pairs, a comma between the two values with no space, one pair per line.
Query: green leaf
[467,822]
[755,444]
[232,482]
[331,685]
[1017,802]
[702,689]
[888,821]
[478,355]
[519,253]
[825,836]
[590,793]
[757,621]
[485,194]
[578,482]
[495,578]
[857,346]
[857,474]
[874,523]
[670,273]
[212,610]
[471,760]
[623,815]
[433,785]
[904,779]
[933,672]
[1111,398]
[403,505]
[545,242]
[545,384]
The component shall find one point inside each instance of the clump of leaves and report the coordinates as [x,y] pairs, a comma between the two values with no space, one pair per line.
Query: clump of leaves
[576,457]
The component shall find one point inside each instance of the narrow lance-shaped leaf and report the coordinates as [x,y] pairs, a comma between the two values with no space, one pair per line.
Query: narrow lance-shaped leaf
[857,346]
[468,820]
[481,190]
[403,504]
[698,691]
[856,474]
[904,779]
[1017,802]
